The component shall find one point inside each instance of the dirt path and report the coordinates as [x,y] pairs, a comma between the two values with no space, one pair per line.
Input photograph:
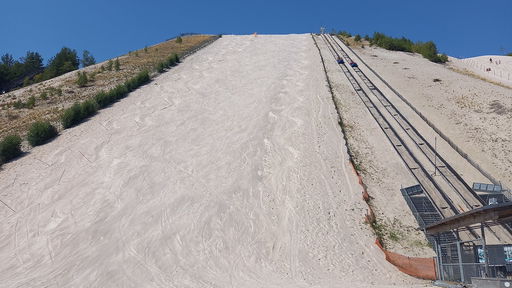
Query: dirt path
[228,171]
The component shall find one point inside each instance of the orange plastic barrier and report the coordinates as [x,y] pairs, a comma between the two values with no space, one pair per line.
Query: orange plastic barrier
[424,268]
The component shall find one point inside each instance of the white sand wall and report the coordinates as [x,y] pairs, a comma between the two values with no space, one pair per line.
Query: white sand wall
[227,171]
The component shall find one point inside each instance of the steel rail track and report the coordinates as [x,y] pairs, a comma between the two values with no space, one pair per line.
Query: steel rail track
[455,181]
[470,198]
[445,169]
[440,200]
[433,191]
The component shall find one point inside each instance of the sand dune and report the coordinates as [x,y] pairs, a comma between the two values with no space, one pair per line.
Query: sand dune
[228,171]
[495,68]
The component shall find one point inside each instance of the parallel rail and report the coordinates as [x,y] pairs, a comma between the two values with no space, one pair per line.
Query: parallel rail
[463,190]
[438,197]
[433,191]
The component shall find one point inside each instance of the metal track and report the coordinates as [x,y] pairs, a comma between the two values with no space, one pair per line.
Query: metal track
[445,169]
[470,198]
[442,203]
[455,181]
[434,192]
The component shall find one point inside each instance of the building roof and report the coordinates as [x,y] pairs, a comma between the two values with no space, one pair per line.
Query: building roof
[498,213]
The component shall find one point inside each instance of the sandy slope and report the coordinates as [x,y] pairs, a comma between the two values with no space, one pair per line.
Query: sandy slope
[383,171]
[474,114]
[492,67]
[228,171]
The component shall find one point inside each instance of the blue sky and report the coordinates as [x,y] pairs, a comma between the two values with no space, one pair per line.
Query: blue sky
[107,28]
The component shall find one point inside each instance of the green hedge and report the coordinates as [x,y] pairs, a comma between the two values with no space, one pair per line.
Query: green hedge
[40,133]
[10,148]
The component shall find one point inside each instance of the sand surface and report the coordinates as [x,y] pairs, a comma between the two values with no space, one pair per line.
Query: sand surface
[228,171]
[495,68]
[383,171]
[476,115]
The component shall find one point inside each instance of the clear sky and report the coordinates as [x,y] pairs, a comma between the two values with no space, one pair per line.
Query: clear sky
[108,28]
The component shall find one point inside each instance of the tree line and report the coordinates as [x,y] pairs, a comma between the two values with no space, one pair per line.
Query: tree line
[427,49]
[30,68]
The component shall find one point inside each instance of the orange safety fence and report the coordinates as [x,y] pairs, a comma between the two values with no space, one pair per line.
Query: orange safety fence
[423,268]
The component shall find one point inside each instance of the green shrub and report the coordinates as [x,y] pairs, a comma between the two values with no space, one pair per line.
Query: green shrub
[31,102]
[82,79]
[357,38]
[137,81]
[146,49]
[88,108]
[345,34]
[78,112]
[509,54]
[40,133]
[109,65]
[44,96]
[117,65]
[160,68]
[18,104]
[10,148]
[55,91]
[71,116]
[119,92]
[366,37]
[179,40]
[103,99]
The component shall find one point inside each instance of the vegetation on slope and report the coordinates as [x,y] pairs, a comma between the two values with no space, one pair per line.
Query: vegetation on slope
[105,84]
[10,148]
[427,49]
[41,132]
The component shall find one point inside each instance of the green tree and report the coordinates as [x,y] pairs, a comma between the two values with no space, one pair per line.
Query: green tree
[33,63]
[179,40]
[7,60]
[63,62]
[357,38]
[87,59]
